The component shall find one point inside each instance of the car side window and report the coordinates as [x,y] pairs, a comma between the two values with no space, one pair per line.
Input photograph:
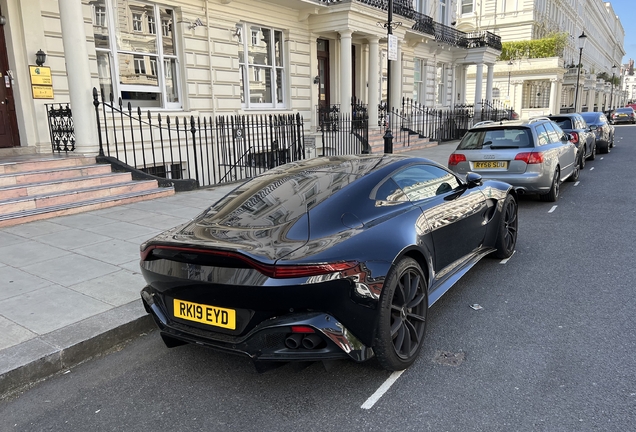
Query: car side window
[553,135]
[389,192]
[542,135]
[425,181]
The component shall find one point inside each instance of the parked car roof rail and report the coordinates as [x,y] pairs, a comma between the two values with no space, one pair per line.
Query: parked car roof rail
[536,119]
[483,123]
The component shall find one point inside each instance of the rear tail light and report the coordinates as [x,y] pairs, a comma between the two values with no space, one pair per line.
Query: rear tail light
[455,158]
[530,157]
[269,270]
[575,137]
[302,329]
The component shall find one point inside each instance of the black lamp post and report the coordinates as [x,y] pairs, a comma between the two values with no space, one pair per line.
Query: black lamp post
[612,91]
[388,136]
[582,40]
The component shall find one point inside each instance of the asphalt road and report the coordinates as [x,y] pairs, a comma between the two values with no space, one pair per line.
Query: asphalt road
[551,350]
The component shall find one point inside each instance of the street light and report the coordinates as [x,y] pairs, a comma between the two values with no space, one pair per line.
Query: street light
[612,91]
[388,136]
[582,40]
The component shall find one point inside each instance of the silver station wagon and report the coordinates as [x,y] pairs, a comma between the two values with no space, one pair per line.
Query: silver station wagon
[534,156]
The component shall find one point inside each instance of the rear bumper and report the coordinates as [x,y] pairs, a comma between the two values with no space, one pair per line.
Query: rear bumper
[267,341]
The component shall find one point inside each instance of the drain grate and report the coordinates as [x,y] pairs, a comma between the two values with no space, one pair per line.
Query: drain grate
[448,358]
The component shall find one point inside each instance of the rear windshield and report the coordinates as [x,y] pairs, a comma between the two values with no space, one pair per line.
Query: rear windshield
[563,122]
[624,110]
[591,117]
[502,138]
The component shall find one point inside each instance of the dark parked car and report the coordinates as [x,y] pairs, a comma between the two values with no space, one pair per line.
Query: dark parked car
[602,128]
[623,115]
[327,258]
[583,136]
[534,156]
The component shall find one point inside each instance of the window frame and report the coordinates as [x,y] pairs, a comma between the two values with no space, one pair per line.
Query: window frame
[276,71]
[163,76]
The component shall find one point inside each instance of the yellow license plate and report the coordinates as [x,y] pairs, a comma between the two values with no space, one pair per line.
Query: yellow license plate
[490,164]
[206,314]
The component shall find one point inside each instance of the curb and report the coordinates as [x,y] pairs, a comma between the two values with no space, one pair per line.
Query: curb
[39,358]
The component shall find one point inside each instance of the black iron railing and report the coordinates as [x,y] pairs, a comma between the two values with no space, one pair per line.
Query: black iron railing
[425,24]
[210,151]
[344,133]
[61,127]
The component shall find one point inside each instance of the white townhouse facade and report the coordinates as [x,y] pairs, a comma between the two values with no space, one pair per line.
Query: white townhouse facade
[215,57]
[628,81]
[540,86]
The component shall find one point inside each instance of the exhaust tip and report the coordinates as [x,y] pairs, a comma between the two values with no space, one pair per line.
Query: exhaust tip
[311,341]
[293,341]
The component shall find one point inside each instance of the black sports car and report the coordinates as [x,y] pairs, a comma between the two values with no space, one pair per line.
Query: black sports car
[332,257]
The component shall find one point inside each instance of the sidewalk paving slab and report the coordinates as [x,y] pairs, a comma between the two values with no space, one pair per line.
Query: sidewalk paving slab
[69,286]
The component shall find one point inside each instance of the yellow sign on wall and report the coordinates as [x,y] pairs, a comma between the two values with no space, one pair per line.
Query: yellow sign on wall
[40,75]
[42,92]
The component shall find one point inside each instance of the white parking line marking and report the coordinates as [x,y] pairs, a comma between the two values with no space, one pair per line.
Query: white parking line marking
[591,168]
[552,209]
[576,183]
[505,260]
[368,404]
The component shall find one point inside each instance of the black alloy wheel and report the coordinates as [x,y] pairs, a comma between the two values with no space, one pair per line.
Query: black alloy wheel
[582,163]
[402,321]
[553,194]
[507,235]
[576,173]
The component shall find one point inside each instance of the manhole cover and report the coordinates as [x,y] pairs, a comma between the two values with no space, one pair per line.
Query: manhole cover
[448,358]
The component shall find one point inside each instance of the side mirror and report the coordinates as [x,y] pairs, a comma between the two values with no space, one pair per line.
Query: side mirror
[568,137]
[473,179]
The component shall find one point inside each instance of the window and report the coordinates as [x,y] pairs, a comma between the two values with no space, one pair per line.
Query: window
[152,28]
[141,69]
[440,78]
[136,20]
[418,87]
[425,181]
[99,16]
[442,12]
[261,67]
[467,6]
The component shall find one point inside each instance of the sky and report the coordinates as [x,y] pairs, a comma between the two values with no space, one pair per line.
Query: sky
[625,11]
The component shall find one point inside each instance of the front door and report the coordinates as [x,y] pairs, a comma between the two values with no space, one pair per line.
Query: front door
[323,75]
[8,121]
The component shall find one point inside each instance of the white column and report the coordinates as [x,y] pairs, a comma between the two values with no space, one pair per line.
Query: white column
[590,98]
[554,99]
[79,77]
[374,80]
[424,100]
[396,80]
[345,71]
[479,81]
[464,83]
[489,81]
[453,78]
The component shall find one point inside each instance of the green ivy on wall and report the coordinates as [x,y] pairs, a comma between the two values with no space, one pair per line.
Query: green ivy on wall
[550,46]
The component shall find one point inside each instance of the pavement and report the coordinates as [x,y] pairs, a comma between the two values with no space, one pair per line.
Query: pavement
[69,286]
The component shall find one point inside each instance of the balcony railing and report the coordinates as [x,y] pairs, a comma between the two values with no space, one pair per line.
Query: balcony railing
[425,24]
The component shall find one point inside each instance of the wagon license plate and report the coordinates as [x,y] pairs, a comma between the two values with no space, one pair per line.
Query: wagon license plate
[205,314]
[490,164]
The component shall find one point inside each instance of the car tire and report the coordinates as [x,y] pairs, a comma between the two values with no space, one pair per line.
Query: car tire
[507,232]
[605,149]
[593,154]
[553,194]
[401,328]
[576,173]
[582,163]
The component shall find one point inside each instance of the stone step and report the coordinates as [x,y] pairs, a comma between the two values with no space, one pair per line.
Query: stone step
[52,175]
[82,206]
[44,164]
[9,192]
[22,204]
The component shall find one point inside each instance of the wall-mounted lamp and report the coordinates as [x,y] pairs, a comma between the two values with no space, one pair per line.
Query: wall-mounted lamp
[40,57]
[196,23]
[3,20]
[316,79]
[237,32]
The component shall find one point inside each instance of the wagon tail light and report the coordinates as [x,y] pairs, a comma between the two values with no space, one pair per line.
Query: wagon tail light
[530,157]
[454,159]
[280,271]
[575,137]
